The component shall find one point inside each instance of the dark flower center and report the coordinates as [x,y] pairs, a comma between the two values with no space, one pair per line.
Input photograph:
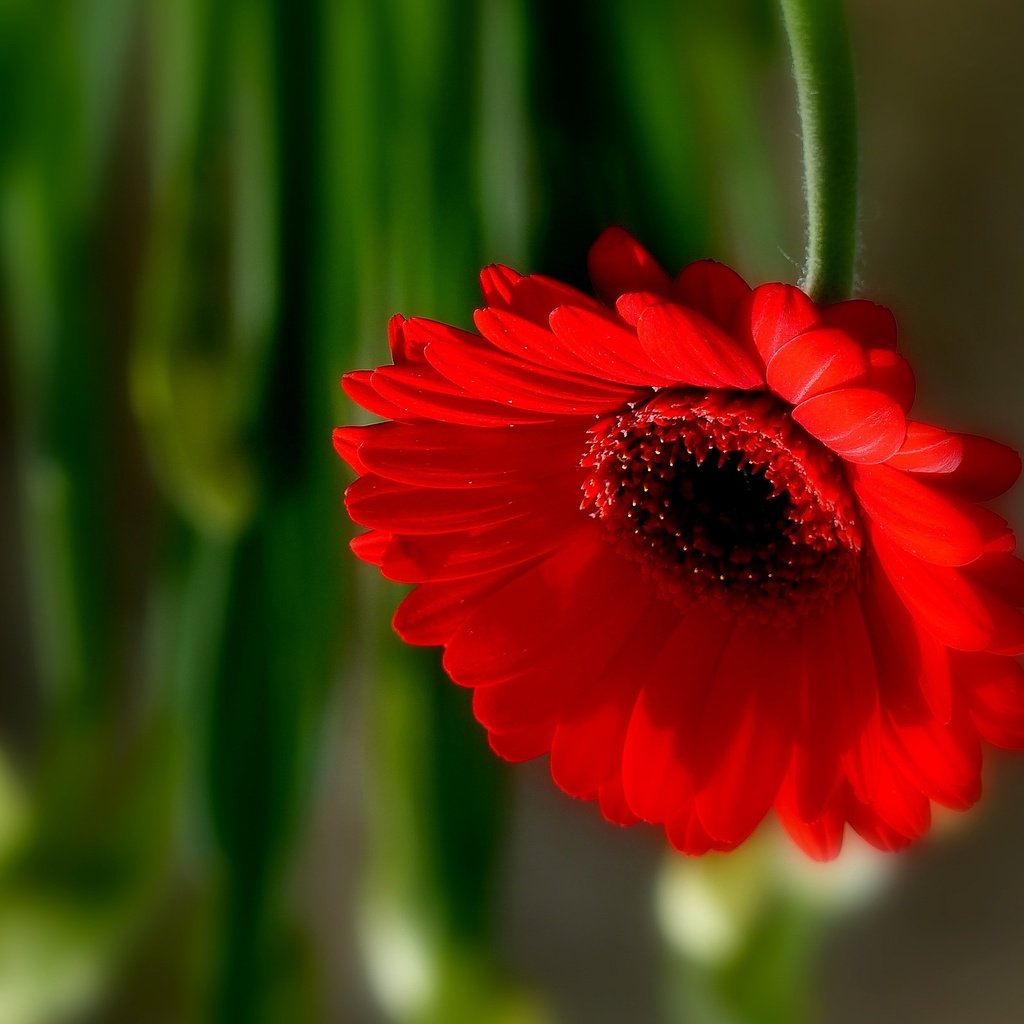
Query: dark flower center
[723,498]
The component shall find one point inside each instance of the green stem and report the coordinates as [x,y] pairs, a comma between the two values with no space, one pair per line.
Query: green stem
[824,81]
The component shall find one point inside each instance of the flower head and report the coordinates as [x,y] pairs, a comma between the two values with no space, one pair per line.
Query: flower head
[687,539]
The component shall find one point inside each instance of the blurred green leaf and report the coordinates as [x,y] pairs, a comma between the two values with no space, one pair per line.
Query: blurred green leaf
[208,289]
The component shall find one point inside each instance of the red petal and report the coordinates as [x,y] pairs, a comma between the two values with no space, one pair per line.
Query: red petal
[694,351]
[987,468]
[377,502]
[935,678]
[357,386]
[943,761]
[371,546]
[537,345]
[774,314]
[587,746]
[619,263]
[839,692]
[520,626]
[712,289]
[554,673]
[441,455]
[686,833]
[897,800]
[1002,574]
[531,345]
[403,349]
[522,744]
[587,751]
[995,693]
[936,527]
[488,372]
[861,763]
[657,760]
[497,285]
[871,325]
[631,305]
[870,827]
[420,392]
[613,803]
[347,442]
[606,347]
[746,730]
[532,297]
[891,374]
[453,556]
[913,677]
[820,839]
[974,467]
[433,612]
[819,360]
[928,449]
[860,425]
[524,701]
[960,613]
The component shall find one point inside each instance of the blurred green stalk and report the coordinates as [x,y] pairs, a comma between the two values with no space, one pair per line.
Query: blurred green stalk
[823,68]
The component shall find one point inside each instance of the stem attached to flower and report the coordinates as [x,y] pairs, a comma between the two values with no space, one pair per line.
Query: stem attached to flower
[828,117]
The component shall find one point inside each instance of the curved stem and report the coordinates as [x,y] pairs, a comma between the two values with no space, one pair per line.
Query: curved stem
[828,117]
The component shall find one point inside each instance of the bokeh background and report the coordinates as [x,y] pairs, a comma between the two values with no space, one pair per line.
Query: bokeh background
[226,793]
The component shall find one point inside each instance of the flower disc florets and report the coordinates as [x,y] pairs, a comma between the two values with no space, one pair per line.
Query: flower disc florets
[723,500]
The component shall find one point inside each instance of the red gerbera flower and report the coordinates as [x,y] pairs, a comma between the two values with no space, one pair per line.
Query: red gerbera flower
[688,540]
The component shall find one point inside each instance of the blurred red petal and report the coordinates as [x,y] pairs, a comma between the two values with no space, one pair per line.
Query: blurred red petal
[523,744]
[821,838]
[712,289]
[891,374]
[871,325]
[746,733]
[619,263]
[961,614]
[657,762]
[587,747]
[933,526]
